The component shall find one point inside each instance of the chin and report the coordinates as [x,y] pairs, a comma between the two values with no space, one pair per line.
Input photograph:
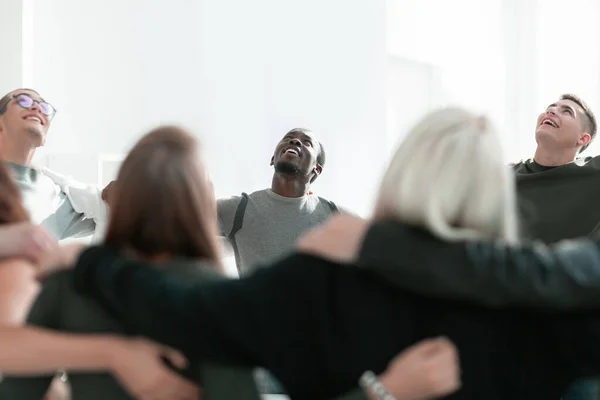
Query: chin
[286,167]
[38,138]
[542,132]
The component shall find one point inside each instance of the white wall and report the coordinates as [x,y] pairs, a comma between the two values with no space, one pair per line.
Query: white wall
[457,44]
[11,26]
[413,88]
[508,59]
[239,73]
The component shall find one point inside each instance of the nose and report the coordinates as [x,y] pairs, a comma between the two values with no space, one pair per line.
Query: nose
[36,106]
[551,110]
[295,142]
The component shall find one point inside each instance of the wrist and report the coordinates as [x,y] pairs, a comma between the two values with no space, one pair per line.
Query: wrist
[112,350]
[374,387]
[386,382]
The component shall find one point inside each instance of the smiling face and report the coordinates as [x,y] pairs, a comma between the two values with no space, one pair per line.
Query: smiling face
[562,126]
[24,121]
[297,153]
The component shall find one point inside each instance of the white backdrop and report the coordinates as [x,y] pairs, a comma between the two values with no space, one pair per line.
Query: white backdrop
[506,58]
[239,73]
[242,73]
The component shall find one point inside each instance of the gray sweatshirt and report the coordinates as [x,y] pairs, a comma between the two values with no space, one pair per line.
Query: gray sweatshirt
[271,225]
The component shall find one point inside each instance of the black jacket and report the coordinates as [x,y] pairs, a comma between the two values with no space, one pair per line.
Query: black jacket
[317,326]
[562,276]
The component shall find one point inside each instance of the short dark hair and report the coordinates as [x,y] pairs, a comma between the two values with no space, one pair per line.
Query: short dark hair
[4,103]
[8,96]
[321,157]
[590,118]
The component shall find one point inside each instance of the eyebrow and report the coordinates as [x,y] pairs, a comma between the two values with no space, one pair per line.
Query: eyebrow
[563,107]
[40,98]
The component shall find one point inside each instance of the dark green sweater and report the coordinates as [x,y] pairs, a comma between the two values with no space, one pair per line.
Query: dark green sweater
[60,307]
[559,202]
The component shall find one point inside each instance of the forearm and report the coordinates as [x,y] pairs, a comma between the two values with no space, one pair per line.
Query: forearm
[560,277]
[36,351]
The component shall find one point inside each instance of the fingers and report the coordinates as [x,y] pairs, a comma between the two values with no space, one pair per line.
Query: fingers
[176,358]
[42,238]
[36,242]
[443,347]
[436,347]
[440,365]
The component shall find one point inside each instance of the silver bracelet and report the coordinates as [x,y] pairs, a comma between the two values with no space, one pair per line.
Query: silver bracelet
[369,382]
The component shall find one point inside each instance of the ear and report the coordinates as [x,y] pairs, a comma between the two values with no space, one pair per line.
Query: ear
[272,161]
[318,170]
[585,139]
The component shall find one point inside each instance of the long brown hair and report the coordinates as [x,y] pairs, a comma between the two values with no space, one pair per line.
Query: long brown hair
[163,200]
[11,204]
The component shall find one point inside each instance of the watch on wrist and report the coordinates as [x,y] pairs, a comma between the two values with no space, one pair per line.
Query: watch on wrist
[369,383]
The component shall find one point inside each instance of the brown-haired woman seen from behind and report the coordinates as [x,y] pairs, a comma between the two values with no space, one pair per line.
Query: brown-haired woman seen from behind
[159,213]
[163,205]
[33,351]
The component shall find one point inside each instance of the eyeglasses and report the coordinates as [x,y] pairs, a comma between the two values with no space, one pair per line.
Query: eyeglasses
[26,101]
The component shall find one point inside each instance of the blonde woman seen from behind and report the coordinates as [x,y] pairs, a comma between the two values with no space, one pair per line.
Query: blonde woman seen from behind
[448,176]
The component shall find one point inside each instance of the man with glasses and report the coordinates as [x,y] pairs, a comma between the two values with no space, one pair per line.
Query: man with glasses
[25,118]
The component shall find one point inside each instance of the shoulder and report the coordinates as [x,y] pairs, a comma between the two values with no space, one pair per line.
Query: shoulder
[330,206]
[593,162]
[516,166]
[228,202]
[226,208]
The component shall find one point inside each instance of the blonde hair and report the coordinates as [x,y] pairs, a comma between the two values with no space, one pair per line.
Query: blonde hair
[449,177]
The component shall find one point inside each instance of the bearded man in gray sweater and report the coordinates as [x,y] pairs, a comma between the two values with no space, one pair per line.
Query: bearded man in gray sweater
[264,225]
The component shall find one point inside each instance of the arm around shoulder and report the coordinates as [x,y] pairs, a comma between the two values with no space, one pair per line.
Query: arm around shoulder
[563,276]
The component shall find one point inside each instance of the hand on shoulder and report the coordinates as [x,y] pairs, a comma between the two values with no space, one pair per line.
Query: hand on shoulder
[339,239]
[25,240]
[60,258]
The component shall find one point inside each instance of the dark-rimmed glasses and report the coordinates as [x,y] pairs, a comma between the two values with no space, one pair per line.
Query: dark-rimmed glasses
[26,101]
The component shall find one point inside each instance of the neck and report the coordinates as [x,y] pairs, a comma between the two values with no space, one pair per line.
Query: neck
[290,186]
[554,158]
[15,154]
